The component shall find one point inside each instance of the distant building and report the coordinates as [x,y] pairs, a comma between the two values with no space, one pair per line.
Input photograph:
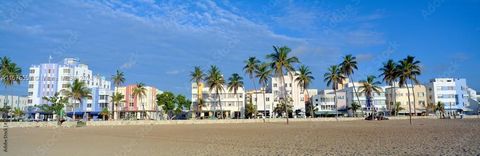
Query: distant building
[324,102]
[136,107]
[49,78]
[378,100]
[14,102]
[418,99]
[452,92]
[232,105]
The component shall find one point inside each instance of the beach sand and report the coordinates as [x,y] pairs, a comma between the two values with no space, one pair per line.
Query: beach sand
[394,137]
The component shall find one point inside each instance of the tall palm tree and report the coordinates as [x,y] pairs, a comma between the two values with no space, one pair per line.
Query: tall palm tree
[117,98]
[234,83]
[390,74]
[408,69]
[282,63]
[140,91]
[370,87]
[347,68]
[334,77]
[415,66]
[197,76]
[251,64]
[304,78]
[118,79]
[77,91]
[10,73]
[215,81]
[263,73]
[441,108]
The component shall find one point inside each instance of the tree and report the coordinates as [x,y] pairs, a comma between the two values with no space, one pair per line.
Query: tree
[282,63]
[166,100]
[355,106]
[117,98]
[56,103]
[234,83]
[139,92]
[390,74]
[251,65]
[118,79]
[408,69]
[215,81]
[284,107]
[17,112]
[304,78]
[197,76]
[398,108]
[441,108]
[263,73]
[369,87]
[77,91]
[431,106]
[334,77]
[182,104]
[347,68]
[104,113]
[250,110]
[10,73]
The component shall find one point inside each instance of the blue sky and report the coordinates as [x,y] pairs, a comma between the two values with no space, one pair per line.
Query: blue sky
[159,42]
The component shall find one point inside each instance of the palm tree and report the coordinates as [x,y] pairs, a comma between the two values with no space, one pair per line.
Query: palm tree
[390,74]
[408,69]
[77,91]
[441,108]
[57,101]
[251,65]
[430,106]
[347,68]
[235,82]
[140,91]
[117,98]
[415,66]
[370,87]
[355,107]
[398,108]
[333,77]
[118,79]
[304,78]
[263,73]
[197,76]
[281,63]
[17,112]
[10,73]
[215,81]
[104,113]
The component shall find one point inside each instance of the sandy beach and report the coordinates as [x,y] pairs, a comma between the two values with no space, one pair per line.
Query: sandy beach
[394,137]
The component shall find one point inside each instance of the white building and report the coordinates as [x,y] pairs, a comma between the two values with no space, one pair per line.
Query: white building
[378,100]
[452,92]
[232,105]
[293,90]
[48,78]
[324,102]
[14,102]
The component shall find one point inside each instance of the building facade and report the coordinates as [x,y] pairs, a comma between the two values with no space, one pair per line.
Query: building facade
[452,92]
[138,107]
[49,78]
[378,100]
[293,90]
[399,95]
[14,102]
[231,106]
[325,105]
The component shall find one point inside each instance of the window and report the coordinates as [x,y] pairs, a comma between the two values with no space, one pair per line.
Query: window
[89,105]
[29,100]
[31,78]
[65,85]
[30,86]
[267,99]
[30,93]
[32,71]
[49,70]
[274,85]
[66,70]
[131,104]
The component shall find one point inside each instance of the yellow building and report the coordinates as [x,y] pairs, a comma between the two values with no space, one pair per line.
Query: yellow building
[401,96]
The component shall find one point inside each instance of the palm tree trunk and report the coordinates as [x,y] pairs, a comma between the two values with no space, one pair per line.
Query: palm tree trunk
[409,105]
[220,102]
[414,98]
[335,101]
[265,102]
[356,94]
[284,90]
[255,87]
[394,95]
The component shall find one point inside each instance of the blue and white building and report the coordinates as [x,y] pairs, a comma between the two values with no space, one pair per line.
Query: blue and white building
[453,93]
[48,78]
